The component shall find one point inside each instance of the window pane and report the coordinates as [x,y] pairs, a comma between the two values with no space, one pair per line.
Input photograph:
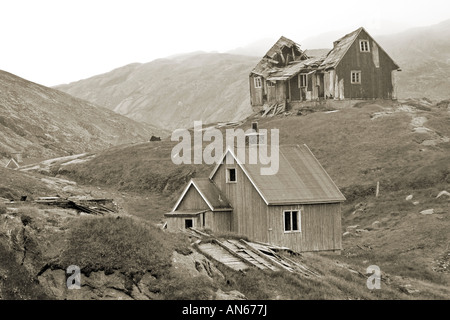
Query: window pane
[294,220]
[287,221]
[232,175]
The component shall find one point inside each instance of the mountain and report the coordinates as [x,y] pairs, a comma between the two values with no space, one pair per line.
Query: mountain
[171,93]
[424,56]
[42,122]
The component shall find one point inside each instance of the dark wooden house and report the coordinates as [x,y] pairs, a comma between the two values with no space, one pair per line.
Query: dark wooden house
[298,207]
[356,68]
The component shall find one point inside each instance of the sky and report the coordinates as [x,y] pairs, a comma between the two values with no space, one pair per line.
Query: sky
[53,42]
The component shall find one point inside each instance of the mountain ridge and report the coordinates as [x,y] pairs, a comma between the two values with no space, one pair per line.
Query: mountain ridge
[43,122]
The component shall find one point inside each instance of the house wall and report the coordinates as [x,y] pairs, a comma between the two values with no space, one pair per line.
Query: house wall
[178,223]
[376,81]
[218,221]
[320,223]
[192,200]
[320,227]
[256,94]
[249,210]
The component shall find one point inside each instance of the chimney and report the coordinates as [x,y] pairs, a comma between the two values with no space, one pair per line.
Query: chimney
[255,126]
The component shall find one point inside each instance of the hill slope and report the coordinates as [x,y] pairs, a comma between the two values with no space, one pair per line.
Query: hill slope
[43,122]
[172,93]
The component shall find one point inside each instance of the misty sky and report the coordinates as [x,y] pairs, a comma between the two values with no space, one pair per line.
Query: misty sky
[59,41]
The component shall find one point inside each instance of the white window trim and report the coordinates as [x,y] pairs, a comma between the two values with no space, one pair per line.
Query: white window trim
[361,48]
[359,77]
[228,175]
[300,81]
[258,82]
[299,220]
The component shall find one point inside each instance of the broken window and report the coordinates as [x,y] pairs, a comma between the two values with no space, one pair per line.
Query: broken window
[302,80]
[291,221]
[188,223]
[356,77]
[231,175]
[364,45]
[258,82]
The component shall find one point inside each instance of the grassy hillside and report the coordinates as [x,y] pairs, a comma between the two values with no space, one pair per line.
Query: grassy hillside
[43,122]
[404,146]
[172,93]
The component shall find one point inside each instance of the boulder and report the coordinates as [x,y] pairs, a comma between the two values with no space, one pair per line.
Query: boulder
[409,197]
[443,193]
[428,211]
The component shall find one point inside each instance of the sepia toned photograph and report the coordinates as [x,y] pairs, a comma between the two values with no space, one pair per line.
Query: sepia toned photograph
[224,155]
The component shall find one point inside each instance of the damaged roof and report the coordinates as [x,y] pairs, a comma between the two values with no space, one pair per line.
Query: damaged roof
[340,49]
[267,63]
[293,69]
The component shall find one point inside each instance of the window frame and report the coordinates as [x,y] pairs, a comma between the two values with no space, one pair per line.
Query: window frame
[257,82]
[291,224]
[366,47]
[270,84]
[356,72]
[305,84]
[228,176]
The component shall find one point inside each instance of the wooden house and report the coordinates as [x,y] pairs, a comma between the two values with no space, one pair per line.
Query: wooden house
[298,207]
[356,68]
[12,164]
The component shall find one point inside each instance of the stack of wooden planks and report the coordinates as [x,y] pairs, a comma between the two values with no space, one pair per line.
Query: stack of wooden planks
[241,255]
[274,109]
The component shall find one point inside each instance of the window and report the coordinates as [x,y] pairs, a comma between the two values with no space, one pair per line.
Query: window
[231,175]
[292,221]
[364,45]
[258,82]
[356,77]
[188,223]
[270,83]
[302,80]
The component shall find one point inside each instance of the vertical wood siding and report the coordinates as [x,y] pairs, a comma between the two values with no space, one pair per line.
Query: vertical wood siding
[320,223]
[192,200]
[375,82]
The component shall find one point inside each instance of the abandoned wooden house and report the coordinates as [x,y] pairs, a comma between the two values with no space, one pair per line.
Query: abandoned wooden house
[12,164]
[356,68]
[299,207]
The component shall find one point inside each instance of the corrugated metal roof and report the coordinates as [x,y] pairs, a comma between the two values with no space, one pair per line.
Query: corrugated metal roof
[212,195]
[300,178]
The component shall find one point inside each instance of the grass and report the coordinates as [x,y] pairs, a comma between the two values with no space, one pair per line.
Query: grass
[122,244]
[16,281]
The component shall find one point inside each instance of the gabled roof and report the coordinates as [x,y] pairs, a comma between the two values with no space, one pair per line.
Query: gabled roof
[12,164]
[341,47]
[300,178]
[213,197]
